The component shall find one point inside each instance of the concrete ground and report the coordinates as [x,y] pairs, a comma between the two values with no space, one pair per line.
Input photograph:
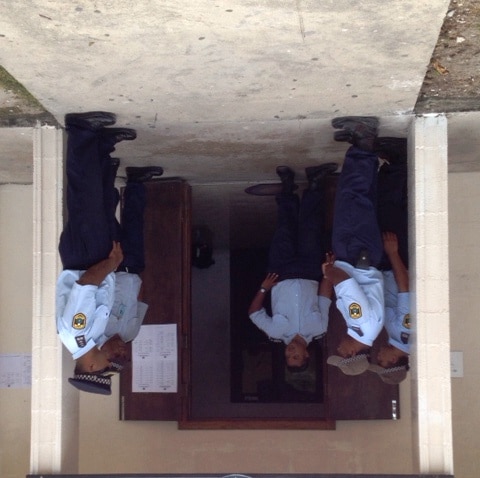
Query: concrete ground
[217,91]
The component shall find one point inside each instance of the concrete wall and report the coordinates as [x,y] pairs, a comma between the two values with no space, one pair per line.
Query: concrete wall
[156,447]
[15,322]
[464,227]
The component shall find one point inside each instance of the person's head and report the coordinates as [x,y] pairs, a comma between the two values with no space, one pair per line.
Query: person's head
[296,354]
[349,347]
[94,360]
[389,356]
[93,371]
[353,357]
[393,374]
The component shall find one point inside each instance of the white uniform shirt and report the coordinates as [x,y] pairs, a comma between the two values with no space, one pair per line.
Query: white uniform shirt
[127,312]
[397,314]
[296,309]
[83,312]
[360,300]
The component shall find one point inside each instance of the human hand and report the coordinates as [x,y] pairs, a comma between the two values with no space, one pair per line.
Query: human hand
[116,255]
[270,280]
[328,264]
[390,243]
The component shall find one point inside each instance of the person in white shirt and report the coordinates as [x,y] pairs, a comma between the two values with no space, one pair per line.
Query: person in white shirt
[300,298]
[393,357]
[392,361]
[94,313]
[357,246]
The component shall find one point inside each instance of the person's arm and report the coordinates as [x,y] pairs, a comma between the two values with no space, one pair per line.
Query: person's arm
[325,288]
[335,275]
[332,273]
[400,272]
[257,302]
[96,274]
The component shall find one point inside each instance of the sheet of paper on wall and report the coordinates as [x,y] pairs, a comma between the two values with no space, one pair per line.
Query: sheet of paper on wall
[15,370]
[155,359]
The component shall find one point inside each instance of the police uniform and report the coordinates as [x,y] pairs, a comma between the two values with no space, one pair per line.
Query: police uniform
[88,315]
[297,309]
[82,311]
[360,298]
[297,249]
[397,314]
[393,217]
[296,255]
[127,312]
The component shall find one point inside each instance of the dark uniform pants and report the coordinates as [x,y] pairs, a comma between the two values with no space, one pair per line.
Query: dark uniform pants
[92,199]
[297,248]
[393,207]
[355,225]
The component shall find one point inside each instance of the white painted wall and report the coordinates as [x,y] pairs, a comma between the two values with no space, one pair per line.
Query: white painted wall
[15,322]
[158,447]
[464,213]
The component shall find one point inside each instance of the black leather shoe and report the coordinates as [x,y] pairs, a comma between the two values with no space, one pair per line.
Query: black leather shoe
[90,120]
[287,177]
[119,134]
[142,174]
[316,174]
[360,131]
[394,150]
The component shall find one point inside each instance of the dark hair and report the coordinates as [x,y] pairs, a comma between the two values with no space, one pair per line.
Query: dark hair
[402,362]
[299,368]
[79,369]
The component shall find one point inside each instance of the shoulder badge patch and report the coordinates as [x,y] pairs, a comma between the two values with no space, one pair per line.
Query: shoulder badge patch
[355,310]
[81,342]
[406,321]
[357,330]
[79,321]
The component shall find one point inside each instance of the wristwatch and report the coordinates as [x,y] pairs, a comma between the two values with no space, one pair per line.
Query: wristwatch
[263,290]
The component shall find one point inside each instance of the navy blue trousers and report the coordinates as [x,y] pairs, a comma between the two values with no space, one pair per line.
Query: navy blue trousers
[297,249]
[92,198]
[393,207]
[355,225]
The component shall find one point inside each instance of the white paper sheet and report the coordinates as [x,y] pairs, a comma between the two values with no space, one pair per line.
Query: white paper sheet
[155,359]
[15,370]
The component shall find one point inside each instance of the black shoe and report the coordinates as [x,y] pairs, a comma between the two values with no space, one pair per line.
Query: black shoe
[142,174]
[91,120]
[360,131]
[363,261]
[287,177]
[394,150]
[119,134]
[316,174]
